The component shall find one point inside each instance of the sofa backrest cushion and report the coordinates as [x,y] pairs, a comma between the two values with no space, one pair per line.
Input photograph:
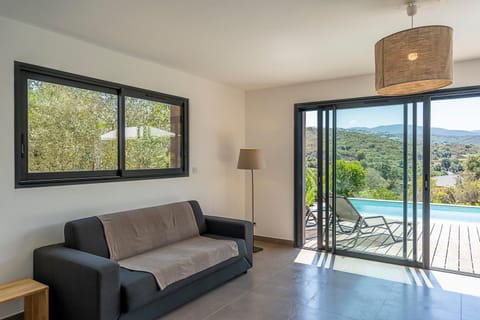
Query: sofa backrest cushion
[133,232]
[197,211]
[86,235]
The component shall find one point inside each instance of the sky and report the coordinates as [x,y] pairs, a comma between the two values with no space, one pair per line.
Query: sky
[453,114]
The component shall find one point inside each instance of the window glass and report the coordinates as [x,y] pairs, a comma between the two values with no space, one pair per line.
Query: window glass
[70,129]
[73,129]
[152,134]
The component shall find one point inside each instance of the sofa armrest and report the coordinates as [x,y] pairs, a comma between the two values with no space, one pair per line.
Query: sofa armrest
[82,285]
[234,228]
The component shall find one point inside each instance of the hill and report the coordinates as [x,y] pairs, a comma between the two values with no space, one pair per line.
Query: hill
[439,135]
[383,147]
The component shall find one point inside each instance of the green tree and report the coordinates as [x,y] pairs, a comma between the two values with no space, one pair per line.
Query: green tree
[392,173]
[350,177]
[472,165]
[73,129]
[374,180]
[147,151]
[360,155]
[456,166]
[384,194]
[446,195]
[445,162]
[467,192]
[64,128]
[310,186]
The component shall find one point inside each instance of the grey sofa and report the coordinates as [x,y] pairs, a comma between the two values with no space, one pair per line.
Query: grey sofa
[86,284]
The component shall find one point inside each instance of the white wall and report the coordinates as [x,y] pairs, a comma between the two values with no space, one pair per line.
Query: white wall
[269,125]
[30,218]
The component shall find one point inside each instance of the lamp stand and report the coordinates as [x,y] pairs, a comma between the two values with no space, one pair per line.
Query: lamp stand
[255,249]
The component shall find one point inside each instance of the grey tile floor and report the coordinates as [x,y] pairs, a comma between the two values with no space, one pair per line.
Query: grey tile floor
[287,283]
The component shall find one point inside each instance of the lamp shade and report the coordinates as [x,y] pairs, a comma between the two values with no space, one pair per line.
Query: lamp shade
[251,159]
[414,60]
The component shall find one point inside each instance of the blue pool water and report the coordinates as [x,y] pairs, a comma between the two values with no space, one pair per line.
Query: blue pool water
[394,209]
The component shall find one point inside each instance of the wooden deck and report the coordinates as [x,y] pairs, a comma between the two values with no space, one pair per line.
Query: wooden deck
[453,246]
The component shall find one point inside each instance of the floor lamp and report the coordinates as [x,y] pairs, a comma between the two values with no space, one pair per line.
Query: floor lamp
[251,159]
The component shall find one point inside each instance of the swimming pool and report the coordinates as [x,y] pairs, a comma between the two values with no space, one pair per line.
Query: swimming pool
[394,209]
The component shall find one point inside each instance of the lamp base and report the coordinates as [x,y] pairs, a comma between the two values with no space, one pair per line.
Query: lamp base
[257,249]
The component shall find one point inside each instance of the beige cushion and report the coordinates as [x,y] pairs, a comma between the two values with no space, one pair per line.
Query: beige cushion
[182,259]
[133,232]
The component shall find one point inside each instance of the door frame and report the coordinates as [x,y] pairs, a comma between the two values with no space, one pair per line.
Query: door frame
[425,98]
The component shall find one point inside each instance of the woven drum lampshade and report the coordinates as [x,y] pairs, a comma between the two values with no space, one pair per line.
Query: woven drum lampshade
[413,61]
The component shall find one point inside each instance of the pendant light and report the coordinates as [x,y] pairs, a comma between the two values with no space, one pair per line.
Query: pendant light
[414,60]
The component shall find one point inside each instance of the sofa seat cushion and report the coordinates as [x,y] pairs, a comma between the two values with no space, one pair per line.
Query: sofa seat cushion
[182,259]
[140,288]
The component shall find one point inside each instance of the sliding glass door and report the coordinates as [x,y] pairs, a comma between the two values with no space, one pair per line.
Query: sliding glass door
[361,171]
[316,158]
[455,184]
[376,173]
[391,179]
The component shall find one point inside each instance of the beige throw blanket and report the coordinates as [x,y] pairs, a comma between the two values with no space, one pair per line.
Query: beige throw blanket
[133,232]
[182,259]
[164,241]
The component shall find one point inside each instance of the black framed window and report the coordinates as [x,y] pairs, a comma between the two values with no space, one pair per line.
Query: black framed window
[73,129]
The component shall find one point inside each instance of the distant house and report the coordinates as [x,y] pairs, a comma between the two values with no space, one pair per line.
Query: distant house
[446,181]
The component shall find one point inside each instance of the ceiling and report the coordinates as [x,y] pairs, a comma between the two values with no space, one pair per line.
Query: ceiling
[250,44]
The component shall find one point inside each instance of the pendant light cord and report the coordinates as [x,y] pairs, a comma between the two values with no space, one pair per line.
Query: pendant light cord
[411,11]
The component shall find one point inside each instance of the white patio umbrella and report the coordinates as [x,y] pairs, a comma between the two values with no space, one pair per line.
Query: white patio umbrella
[137,132]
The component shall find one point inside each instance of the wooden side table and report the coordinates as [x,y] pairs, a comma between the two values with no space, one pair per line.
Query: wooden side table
[35,295]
